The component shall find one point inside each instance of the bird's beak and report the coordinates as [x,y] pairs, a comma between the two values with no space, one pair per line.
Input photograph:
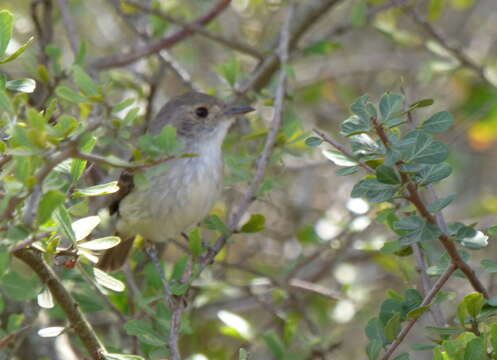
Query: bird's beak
[238,110]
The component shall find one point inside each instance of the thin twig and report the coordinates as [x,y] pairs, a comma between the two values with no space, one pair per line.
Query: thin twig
[455,51]
[68,22]
[426,301]
[82,327]
[123,59]
[343,150]
[263,159]
[101,160]
[233,44]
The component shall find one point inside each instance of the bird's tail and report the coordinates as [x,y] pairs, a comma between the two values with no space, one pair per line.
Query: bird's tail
[114,258]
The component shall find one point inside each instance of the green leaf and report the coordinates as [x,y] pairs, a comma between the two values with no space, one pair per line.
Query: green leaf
[472,239]
[254,224]
[387,175]
[373,190]
[51,200]
[144,332]
[338,158]
[5,102]
[63,221]
[85,82]
[78,165]
[420,147]
[179,268]
[361,109]
[475,350]
[103,243]
[348,170]
[21,85]
[70,95]
[123,105]
[444,330]
[16,53]
[489,266]
[420,104]
[474,303]
[439,204]
[313,141]
[390,106]
[230,70]
[19,288]
[417,312]
[423,346]
[414,229]
[213,222]
[439,122]
[403,356]
[373,349]
[14,322]
[195,242]
[274,343]
[98,190]
[167,139]
[492,231]
[322,47]
[355,125]
[374,330]
[493,336]
[131,116]
[433,173]
[110,282]
[6,25]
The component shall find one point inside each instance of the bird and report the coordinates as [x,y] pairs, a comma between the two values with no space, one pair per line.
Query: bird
[178,197]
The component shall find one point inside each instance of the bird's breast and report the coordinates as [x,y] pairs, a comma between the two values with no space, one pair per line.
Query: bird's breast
[174,199]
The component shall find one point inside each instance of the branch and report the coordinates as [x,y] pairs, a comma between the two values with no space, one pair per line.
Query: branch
[236,45]
[456,51]
[426,301]
[101,160]
[263,160]
[122,59]
[72,34]
[81,326]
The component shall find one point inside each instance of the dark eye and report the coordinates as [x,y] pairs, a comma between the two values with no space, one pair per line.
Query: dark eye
[202,112]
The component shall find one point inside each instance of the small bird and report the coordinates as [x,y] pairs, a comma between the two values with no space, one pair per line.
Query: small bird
[180,196]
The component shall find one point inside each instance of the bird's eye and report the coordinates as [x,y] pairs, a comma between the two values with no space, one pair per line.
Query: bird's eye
[202,112]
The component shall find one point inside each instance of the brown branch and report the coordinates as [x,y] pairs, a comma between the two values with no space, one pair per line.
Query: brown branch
[263,160]
[236,45]
[81,326]
[122,59]
[426,301]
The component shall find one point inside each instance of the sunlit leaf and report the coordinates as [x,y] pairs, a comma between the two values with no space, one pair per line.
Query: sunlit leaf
[52,331]
[98,190]
[108,281]
[21,85]
[103,243]
[83,227]
[45,299]
[6,25]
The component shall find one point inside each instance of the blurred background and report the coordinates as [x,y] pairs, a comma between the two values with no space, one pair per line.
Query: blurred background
[305,286]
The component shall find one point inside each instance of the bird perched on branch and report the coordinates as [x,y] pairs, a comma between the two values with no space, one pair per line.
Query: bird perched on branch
[181,195]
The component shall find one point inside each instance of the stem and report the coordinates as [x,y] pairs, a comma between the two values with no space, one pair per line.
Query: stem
[428,298]
[76,318]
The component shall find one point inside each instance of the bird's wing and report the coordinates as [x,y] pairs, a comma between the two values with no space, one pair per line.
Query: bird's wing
[126,185]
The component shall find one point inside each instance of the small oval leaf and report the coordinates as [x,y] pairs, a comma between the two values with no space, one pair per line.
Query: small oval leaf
[108,281]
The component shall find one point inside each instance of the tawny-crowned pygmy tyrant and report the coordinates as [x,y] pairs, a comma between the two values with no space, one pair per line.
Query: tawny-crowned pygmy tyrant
[182,194]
